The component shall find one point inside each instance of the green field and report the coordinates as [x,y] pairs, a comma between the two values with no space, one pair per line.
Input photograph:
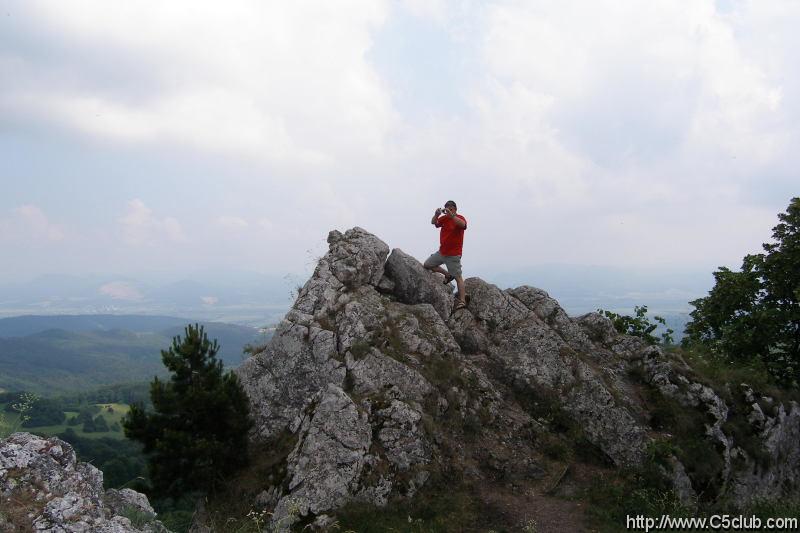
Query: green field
[112,412]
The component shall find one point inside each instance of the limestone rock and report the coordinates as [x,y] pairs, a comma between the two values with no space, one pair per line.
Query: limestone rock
[327,461]
[357,257]
[599,328]
[496,309]
[374,374]
[62,494]
[549,311]
[401,437]
[468,333]
[324,523]
[359,319]
[536,354]
[295,366]
[744,477]
[415,285]
[307,350]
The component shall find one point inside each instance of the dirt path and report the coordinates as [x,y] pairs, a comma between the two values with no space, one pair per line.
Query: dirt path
[517,509]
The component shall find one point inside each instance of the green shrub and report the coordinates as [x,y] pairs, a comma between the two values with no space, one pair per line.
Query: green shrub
[360,349]
[614,496]
[639,325]
[139,518]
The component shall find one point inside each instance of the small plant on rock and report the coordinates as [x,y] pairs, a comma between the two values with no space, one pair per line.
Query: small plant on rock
[640,325]
[23,406]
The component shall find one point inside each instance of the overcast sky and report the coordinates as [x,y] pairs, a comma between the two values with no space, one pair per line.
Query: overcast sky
[172,136]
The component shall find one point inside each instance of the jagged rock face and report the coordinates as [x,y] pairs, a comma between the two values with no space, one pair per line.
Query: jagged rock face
[780,434]
[326,463]
[410,283]
[377,373]
[371,363]
[356,258]
[305,353]
[554,359]
[45,488]
[744,478]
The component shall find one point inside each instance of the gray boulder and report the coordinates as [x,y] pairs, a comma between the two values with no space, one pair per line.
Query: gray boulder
[780,434]
[55,493]
[342,350]
[549,311]
[327,461]
[377,373]
[412,284]
[356,258]
[551,359]
[298,363]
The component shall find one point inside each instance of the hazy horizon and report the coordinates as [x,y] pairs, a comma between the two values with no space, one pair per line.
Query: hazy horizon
[250,298]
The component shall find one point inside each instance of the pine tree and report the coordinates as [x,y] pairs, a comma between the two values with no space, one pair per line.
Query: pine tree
[197,432]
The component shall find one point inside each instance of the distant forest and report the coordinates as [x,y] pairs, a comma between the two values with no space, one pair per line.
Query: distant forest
[46,356]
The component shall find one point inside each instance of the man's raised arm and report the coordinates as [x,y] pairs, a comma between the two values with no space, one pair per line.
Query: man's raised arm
[436,215]
[460,223]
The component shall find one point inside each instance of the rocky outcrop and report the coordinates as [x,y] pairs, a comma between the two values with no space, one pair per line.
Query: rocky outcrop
[410,283]
[766,465]
[555,359]
[44,488]
[336,308]
[380,382]
[326,464]
[779,431]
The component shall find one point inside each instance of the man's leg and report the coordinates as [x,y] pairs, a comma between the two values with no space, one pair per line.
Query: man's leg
[454,268]
[434,263]
[438,269]
[462,296]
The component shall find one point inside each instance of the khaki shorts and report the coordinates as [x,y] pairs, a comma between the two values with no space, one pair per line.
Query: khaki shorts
[453,263]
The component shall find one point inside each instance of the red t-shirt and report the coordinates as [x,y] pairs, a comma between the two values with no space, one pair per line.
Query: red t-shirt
[451,238]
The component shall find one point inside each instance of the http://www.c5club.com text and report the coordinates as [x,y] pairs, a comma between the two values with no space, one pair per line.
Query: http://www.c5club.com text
[717,522]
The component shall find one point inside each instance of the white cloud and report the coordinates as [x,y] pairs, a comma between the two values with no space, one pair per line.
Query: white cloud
[589,132]
[210,300]
[634,80]
[141,227]
[232,222]
[35,219]
[658,114]
[273,81]
[266,224]
[433,9]
[29,224]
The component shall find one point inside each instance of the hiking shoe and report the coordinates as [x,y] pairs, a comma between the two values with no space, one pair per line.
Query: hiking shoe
[448,278]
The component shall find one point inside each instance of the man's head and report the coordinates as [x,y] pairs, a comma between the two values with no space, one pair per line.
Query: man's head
[450,205]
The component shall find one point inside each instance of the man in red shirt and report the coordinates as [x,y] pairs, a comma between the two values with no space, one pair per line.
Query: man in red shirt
[451,240]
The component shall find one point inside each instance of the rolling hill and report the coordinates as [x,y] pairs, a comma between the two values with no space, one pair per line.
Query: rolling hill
[55,355]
